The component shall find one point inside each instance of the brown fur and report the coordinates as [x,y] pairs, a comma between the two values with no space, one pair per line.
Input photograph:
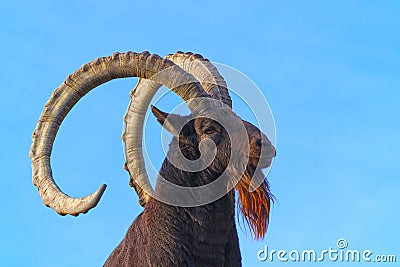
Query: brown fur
[166,235]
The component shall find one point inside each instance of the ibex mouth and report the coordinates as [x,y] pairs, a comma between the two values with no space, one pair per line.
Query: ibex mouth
[264,160]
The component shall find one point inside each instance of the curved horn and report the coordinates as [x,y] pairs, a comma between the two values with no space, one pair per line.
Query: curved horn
[212,82]
[77,85]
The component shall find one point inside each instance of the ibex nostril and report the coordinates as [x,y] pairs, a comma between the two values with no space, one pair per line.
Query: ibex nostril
[259,142]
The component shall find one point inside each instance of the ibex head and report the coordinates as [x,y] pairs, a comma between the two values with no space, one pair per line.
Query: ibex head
[208,131]
[207,144]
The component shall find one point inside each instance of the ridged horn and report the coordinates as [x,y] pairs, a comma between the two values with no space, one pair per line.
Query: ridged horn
[212,82]
[78,84]
[205,72]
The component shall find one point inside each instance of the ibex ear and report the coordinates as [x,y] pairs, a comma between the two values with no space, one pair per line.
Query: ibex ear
[173,123]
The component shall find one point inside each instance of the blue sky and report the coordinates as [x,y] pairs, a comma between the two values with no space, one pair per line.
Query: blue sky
[329,69]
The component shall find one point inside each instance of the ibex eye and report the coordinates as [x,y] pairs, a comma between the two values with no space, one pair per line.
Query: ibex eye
[209,130]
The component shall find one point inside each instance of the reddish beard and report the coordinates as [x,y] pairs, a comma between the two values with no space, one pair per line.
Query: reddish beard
[254,205]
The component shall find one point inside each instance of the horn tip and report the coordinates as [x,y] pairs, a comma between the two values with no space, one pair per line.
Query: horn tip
[101,190]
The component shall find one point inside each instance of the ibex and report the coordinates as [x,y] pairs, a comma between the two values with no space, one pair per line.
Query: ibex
[174,229]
